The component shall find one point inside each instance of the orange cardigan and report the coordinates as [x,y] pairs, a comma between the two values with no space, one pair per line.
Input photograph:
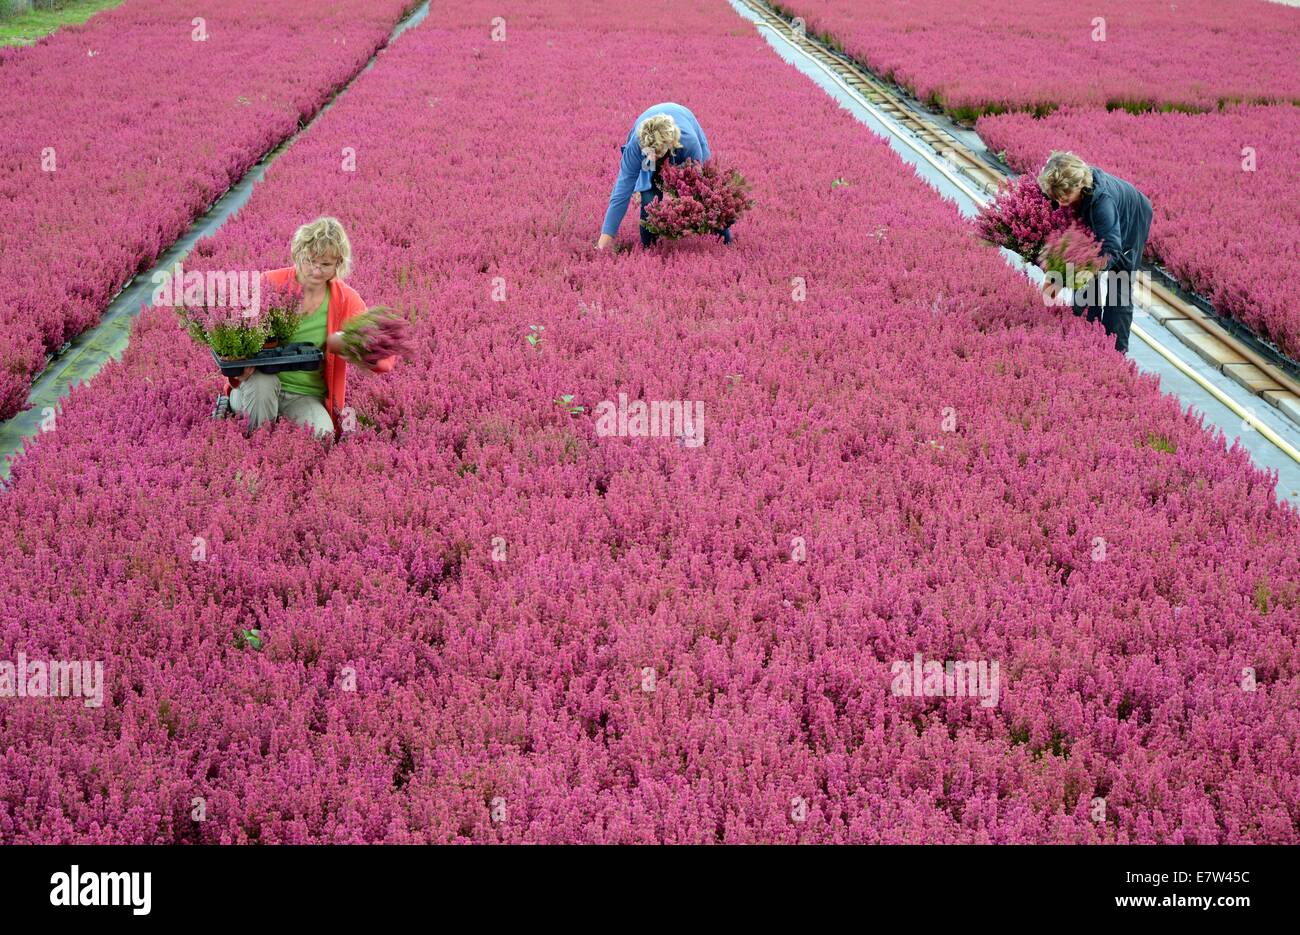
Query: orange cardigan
[344,303]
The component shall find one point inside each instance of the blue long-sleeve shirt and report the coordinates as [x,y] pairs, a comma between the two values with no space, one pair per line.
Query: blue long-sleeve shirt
[633,176]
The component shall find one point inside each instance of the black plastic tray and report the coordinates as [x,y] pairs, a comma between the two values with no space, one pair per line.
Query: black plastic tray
[300,356]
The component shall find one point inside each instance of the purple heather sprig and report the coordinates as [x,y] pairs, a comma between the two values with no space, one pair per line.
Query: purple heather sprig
[1073,254]
[374,335]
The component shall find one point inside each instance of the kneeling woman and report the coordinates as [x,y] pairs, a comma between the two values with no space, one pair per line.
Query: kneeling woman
[665,131]
[321,255]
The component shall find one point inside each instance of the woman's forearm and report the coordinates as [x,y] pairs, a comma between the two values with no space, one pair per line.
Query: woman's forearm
[629,169]
[618,203]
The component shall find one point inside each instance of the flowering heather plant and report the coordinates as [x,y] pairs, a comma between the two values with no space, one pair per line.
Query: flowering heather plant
[1035,55]
[480,620]
[1073,254]
[93,183]
[196,322]
[1021,218]
[236,338]
[697,199]
[373,336]
[280,305]
[233,332]
[1227,219]
[247,324]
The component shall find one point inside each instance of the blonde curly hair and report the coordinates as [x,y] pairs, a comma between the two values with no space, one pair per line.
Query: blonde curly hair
[659,134]
[323,238]
[1063,175]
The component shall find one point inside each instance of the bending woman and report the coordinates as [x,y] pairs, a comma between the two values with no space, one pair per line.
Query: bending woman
[664,132]
[321,255]
[1120,217]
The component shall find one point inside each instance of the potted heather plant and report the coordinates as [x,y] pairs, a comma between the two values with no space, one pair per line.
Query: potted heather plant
[282,315]
[232,333]
[698,198]
[252,334]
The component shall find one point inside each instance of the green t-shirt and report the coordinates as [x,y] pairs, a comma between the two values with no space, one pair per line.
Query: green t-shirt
[312,331]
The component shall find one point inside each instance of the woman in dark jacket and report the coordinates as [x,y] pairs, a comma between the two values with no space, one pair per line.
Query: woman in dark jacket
[1120,217]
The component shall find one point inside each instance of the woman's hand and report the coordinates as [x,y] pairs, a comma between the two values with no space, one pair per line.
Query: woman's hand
[334,343]
[604,241]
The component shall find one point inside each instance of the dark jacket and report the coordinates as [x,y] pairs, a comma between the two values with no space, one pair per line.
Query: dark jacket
[1120,216]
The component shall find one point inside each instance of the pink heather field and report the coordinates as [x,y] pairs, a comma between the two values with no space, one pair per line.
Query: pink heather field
[118,133]
[481,618]
[1227,215]
[972,57]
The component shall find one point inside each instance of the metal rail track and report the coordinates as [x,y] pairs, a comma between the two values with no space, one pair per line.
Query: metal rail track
[1249,363]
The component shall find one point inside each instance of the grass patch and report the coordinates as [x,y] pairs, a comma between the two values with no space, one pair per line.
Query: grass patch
[26,27]
[1160,443]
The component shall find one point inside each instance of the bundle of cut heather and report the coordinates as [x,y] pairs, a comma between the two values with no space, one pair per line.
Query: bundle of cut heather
[373,336]
[1073,255]
[1021,218]
[699,198]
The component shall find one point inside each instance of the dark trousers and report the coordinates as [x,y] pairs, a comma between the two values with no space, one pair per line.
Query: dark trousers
[1116,315]
[648,238]
[1116,318]
[1116,310]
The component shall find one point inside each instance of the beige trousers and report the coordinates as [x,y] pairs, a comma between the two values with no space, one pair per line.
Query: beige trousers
[264,399]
